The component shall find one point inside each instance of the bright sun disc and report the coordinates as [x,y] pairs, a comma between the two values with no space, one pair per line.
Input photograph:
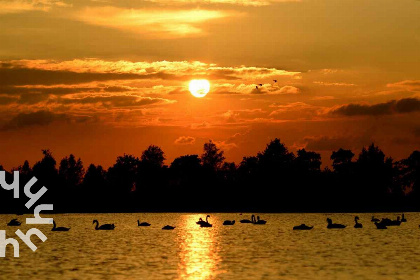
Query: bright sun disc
[199,88]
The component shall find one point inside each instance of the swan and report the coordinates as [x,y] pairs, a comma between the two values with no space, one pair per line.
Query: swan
[258,221]
[229,223]
[167,227]
[246,221]
[380,225]
[403,219]
[144,224]
[356,221]
[388,222]
[302,227]
[331,225]
[103,227]
[374,219]
[206,223]
[13,223]
[201,221]
[55,228]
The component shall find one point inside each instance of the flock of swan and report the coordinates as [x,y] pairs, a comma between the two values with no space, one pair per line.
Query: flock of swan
[15,223]
[384,223]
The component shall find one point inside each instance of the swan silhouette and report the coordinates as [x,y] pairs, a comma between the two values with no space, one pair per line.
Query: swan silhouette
[103,227]
[356,222]
[206,223]
[302,227]
[144,224]
[258,221]
[229,223]
[380,225]
[388,222]
[55,228]
[14,223]
[167,227]
[331,225]
[246,221]
[201,221]
[374,219]
[403,219]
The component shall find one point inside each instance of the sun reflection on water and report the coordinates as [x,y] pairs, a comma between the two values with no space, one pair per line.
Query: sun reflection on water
[199,256]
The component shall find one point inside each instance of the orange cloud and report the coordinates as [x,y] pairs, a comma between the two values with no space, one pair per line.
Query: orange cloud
[254,3]
[158,22]
[21,6]
[185,140]
[334,84]
[402,106]
[181,70]
[411,85]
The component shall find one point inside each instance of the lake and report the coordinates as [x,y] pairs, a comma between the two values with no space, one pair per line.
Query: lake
[242,251]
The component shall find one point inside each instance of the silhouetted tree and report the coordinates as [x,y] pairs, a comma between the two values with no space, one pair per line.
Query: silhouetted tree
[308,161]
[248,166]
[212,157]
[342,160]
[95,187]
[71,171]
[152,174]
[276,156]
[25,169]
[375,173]
[273,180]
[228,172]
[153,156]
[46,168]
[25,172]
[47,174]
[409,174]
[187,162]
[94,177]
[123,174]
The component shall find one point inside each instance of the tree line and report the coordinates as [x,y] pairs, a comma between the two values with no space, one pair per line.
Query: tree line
[274,180]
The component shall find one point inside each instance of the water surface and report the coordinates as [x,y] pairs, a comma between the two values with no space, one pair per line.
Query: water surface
[242,251]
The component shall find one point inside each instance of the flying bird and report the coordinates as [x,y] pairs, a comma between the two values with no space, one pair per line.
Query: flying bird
[275,81]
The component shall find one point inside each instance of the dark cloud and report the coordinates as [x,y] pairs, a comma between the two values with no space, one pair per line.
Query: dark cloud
[32,98]
[325,143]
[13,90]
[5,100]
[25,76]
[115,101]
[39,118]
[401,106]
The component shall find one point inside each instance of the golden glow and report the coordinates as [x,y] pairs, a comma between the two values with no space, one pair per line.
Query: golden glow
[157,23]
[199,88]
[199,255]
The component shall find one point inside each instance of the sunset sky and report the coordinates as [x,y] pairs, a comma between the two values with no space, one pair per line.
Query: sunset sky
[102,78]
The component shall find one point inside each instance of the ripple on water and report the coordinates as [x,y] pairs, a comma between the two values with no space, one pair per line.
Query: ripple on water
[242,251]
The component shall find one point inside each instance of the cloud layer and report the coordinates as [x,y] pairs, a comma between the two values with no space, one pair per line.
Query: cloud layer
[402,106]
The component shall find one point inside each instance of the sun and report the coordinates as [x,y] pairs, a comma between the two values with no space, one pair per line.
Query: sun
[199,88]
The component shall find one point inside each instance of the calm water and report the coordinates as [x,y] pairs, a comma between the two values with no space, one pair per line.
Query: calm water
[242,251]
